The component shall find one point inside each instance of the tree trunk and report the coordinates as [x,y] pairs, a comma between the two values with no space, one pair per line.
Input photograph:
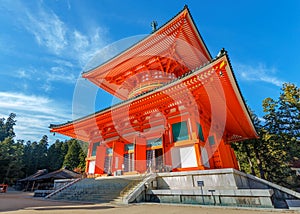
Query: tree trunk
[259,164]
[249,160]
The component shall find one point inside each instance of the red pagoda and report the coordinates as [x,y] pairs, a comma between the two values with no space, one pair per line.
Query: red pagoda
[181,108]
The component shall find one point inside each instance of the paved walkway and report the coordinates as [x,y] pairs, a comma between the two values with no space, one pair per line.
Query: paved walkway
[24,203]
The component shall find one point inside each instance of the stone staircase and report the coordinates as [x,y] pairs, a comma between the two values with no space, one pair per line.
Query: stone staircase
[127,190]
[99,190]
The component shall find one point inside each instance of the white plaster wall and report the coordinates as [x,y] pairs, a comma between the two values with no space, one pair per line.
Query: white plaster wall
[92,167]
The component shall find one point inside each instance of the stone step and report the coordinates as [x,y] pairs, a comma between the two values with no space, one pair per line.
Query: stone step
[102,190]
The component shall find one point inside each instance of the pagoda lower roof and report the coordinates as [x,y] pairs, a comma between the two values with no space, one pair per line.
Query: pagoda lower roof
[212,87]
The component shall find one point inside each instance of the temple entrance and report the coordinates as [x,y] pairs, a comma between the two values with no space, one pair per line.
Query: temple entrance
[108,161]
[107,164]
[129,162]
[155,160]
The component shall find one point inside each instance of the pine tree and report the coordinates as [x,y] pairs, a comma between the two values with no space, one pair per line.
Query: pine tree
[277,148]
[56,154]
[28,159]
[281,135]
[7,127]
[72,159]
[10,160]
[289,111]
[42,153]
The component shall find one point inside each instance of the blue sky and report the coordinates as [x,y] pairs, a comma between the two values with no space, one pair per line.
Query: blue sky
[45,45]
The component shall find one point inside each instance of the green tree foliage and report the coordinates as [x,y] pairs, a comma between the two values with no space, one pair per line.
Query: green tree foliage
[272,155]
[56,155]
[11,152]
[28,159]
[10,160]
[41,153]
[7,127]
[281,134]
[82,155]
[75,157]
[35,156]
[20,159]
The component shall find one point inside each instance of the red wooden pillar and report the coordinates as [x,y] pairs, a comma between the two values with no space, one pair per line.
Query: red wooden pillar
[118,155]
[87,162]
[100,159]
[140,154]
[198,155]
[227,156]
[87,165]
[167,149]
[235,162]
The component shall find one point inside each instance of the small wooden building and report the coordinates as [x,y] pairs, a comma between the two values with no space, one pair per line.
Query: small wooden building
[42,180]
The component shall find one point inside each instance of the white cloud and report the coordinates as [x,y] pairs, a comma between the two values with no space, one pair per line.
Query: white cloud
[81,41]
[85,46]
[46,87]
[22,73]
[59,38]
[60,74]
[63,63]
[25,73]
[71,47]
[48,29]
[259,73]
[62,71]
[34,114]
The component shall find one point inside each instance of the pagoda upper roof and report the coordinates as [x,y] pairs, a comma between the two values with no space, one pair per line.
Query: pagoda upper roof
[213,86]
[175,48]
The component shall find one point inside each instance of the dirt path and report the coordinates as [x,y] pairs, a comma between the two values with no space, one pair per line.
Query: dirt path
[23,203]
[11,201]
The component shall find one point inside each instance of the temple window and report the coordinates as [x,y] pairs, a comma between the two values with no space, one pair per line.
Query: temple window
[211,140]
[180,131]
[94,149]
[129,147]
[200,132]
[154,142]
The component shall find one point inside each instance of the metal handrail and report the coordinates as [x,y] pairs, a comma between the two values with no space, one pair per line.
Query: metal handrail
[128,187]
[63,187]
[132,184]
[143,185]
